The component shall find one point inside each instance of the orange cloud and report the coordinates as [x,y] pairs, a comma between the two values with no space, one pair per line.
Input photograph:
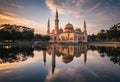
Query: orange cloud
[10,18]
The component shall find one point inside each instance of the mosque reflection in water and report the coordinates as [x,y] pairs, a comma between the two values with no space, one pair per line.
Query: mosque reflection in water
[67,52]
[11,54]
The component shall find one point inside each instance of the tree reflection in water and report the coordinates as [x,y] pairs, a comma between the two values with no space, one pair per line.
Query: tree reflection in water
[112,52]
[12,54]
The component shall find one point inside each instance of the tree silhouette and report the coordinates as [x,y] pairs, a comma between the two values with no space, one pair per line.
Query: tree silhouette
[14,32]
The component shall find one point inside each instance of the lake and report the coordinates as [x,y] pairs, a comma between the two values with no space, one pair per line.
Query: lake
[59,63]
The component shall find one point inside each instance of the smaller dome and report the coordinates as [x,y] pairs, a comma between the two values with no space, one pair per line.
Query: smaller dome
[78,30]
[61,29]
[53,31]
[68,26]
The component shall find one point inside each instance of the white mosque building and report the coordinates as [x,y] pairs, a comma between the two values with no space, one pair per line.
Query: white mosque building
[69,34]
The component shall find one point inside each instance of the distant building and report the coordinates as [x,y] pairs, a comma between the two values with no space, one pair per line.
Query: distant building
[69,34]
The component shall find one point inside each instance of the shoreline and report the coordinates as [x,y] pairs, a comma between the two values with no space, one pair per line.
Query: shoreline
[28,43]
[106,44]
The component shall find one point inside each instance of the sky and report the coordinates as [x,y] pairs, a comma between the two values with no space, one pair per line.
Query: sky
[98,14]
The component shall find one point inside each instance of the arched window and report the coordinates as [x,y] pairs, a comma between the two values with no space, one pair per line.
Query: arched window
[83,38]
[75,38]
[54,38]
[50,38]
[78,38]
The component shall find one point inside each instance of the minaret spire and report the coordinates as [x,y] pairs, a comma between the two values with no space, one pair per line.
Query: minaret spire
[56,22]
[56,13]
[48,31]
[85,31]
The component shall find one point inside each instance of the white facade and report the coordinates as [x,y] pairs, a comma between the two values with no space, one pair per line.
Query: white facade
[69,34]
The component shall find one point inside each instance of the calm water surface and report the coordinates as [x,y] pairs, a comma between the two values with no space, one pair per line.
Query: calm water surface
[59,63]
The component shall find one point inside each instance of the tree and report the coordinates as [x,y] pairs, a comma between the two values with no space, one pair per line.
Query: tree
[102,35]
[92,37]
[114,33]
[46,38]
[19,33]
[15,32]
[37,37]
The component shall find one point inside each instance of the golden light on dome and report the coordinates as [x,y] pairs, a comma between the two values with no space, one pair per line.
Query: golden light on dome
[67,59]
[68,26]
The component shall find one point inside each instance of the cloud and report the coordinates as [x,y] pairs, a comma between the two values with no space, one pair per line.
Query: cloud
[50,76]
[8,14]
[94,7]
[72,7]
[10,18]
[17,6]
[83,8]
[63,6]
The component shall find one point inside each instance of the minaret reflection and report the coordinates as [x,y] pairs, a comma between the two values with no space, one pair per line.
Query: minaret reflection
[44,57]
[68,53]
[53,60]
[85,58]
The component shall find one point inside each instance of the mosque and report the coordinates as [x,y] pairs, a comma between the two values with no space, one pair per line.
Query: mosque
[69,34]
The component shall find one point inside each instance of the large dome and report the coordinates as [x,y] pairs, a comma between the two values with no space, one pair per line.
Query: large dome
[69,26]
[67,59]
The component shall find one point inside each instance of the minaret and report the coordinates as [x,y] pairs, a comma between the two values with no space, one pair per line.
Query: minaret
[85,31]
[56,23]
[48,30]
